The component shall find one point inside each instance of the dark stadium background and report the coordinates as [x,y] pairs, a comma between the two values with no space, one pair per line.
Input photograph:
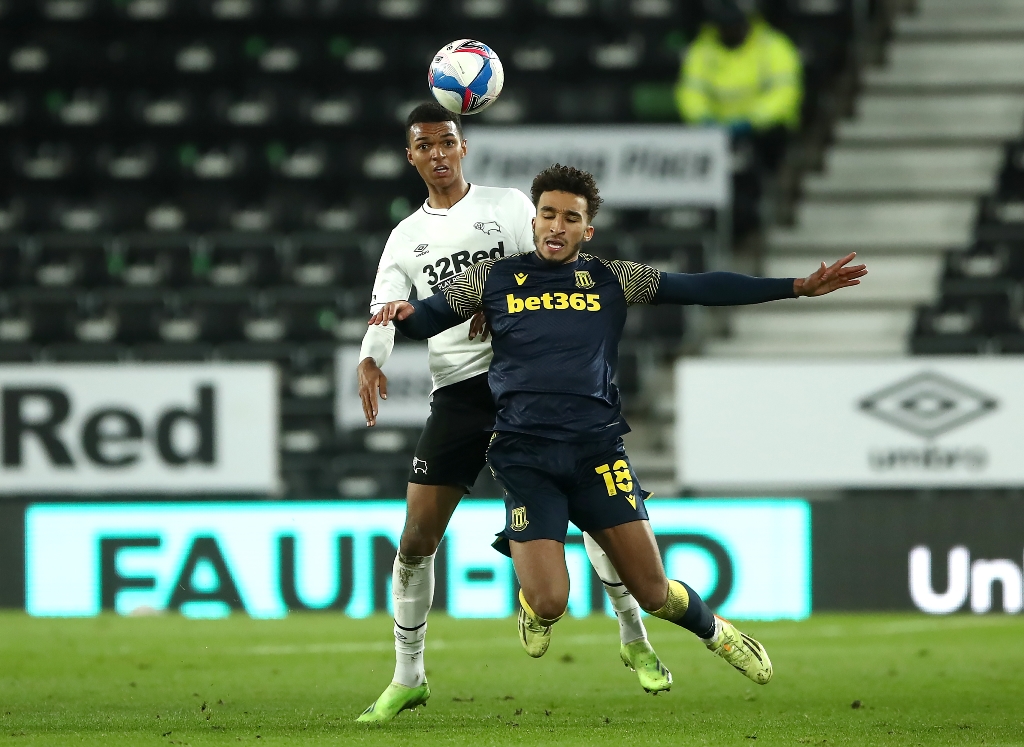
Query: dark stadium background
[196,181]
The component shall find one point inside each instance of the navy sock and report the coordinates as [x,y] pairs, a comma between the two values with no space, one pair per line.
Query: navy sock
[698,618]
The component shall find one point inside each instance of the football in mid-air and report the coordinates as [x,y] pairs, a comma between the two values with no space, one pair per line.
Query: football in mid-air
[466,76]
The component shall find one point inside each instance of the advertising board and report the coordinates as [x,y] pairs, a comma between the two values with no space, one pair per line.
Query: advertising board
[754,425]
[207,559]
[636,166]
[137,428]
[939,555]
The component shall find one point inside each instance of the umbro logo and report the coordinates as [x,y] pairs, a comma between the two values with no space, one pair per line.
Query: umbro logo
[420,250]
[928,404]
[520,278]
[489,227]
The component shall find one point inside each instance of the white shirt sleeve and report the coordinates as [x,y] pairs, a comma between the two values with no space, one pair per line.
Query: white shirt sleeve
[378,342]
[391,284]
[522,212]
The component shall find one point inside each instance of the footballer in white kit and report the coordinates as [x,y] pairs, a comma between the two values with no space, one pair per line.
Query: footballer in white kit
[458,226]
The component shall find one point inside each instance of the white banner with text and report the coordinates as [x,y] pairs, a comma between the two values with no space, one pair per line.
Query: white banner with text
[137,428]
[636,166]
[951,422]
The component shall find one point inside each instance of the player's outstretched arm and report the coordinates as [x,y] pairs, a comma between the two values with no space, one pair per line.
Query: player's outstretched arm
[419,320]
[733,289]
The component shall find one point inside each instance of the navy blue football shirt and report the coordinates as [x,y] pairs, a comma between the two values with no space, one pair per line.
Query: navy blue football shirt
[556,329]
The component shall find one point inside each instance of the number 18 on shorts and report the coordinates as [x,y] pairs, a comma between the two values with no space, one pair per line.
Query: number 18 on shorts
[549,483]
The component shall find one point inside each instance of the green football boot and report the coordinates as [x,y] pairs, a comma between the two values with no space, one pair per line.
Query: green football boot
[534,631]
[743,652]
[395,699]
[535,637]
[640,657]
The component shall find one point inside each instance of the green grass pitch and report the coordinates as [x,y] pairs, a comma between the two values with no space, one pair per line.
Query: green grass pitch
[302,680]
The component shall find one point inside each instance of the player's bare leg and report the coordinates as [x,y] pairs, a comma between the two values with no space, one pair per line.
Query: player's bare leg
[429,508]
[634,553]
[544,592]
[635,650]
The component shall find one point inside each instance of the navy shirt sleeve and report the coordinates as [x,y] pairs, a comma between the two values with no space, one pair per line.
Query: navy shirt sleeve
[720,289]
[430,317]
[458,302]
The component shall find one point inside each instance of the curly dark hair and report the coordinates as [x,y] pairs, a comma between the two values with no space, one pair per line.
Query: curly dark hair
[559,178]
[432,112]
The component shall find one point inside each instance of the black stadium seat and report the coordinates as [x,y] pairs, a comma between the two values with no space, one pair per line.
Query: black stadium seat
[235,260]
[61,261]
[11,266]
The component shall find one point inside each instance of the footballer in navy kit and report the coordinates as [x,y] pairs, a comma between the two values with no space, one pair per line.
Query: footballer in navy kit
[556,316]
[458,226]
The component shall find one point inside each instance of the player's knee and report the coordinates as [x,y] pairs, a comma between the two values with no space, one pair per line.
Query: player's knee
[418,540]
[651,595]
[548,605]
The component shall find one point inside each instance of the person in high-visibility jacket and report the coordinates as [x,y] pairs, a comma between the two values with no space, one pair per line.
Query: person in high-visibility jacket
[741,73]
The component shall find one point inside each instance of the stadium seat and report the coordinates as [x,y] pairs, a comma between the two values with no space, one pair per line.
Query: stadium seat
[1001,219]
[148,260]
[308,380]
[235,260]
[16,323]
[1011,179]
[960,325]
[985,268]
[64,261]
[329,259]
[11,265]
[307,434]
[50,319]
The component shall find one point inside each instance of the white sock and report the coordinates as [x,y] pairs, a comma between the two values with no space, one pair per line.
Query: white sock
[412,589]
[631,625]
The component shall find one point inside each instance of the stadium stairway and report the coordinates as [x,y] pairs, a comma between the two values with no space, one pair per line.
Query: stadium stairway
[901,183]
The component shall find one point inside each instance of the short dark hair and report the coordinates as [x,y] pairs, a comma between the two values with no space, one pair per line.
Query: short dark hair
[431,112]
[559,178]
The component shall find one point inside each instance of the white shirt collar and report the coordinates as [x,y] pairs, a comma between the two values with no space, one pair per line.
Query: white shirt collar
[444,211]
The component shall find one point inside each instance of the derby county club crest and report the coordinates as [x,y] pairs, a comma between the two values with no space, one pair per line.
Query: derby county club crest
[583,279]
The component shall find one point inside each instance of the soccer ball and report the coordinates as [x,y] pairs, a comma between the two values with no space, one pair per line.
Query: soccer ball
[466,77]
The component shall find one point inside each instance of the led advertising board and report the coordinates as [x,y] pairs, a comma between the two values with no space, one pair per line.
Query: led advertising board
[944,555]
[264,559]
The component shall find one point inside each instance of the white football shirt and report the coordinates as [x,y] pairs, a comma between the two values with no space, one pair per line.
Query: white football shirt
[432,246]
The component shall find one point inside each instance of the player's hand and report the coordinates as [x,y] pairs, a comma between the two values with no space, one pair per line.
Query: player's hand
[371,379]
[827,279]
[398,310]
[478,326]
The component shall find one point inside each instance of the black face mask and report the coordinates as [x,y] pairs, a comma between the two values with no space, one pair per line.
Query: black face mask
[733,34]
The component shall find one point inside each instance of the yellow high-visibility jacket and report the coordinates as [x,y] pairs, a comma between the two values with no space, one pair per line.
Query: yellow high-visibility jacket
[760,81]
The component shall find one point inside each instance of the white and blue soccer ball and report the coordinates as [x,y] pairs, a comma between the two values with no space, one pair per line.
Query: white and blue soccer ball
[466,76]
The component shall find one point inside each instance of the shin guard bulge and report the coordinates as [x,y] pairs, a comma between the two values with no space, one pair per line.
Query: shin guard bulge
[412,590]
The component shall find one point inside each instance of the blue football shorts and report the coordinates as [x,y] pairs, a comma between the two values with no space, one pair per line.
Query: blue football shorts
[549,483]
